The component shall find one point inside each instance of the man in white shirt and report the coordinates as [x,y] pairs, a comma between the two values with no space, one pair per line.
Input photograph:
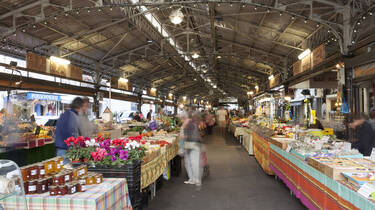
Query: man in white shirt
[221,116]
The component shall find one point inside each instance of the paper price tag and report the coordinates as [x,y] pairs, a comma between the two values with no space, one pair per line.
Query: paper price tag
[366,190]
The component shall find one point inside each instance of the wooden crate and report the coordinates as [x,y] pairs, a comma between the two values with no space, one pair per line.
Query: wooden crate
[280,142]
[334,171]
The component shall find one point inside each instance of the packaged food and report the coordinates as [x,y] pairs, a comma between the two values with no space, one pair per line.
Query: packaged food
[62,190]
[53,190]
[59,179]
[32,185]
[98,178]
[41,170]
[33,172]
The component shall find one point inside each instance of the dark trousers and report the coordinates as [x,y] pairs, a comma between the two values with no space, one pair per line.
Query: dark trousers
[209,129]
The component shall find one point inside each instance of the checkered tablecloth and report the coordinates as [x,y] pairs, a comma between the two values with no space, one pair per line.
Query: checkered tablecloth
[111,194]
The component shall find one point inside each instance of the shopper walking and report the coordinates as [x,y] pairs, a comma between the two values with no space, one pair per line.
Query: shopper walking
[209,120]
[86,128]
[365,134]
[149,115]
[192,148]
[221,116]
[67,126]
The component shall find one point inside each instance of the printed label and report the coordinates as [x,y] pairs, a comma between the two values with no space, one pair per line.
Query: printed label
[43,187]
[49,166]
[32,188]
[42,172]
[73,190]
[66,177]
[58,166]
[83,187]
[98,180]
[33,172]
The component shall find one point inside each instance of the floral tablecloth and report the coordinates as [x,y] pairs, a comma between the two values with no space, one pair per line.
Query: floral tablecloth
[111,194]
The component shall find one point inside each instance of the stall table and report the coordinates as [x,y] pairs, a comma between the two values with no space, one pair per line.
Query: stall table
[248,141]
[261,149]
[111,194]
[313,188]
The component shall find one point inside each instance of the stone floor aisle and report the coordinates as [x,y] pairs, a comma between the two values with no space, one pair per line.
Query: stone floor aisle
[236,182]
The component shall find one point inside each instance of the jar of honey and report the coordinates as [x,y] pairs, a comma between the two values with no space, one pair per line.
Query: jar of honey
[81,187]
[53,190]
[41,186]
[58,179]
[98,178]
[82,170]
[90,179]
[62,190]
[48,166]
[60,160]
[33,172]
[26,187]
[49,180]
[41,170]
[25,175]
[32,185]
[71,188]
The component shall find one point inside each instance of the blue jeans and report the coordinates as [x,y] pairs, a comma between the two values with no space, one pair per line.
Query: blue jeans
[62,153]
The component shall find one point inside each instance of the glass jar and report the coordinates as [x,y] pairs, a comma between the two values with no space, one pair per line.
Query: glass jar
[48,167]
[60,160]
[81,187]
[82,170]
[41,170]
[62,190]
[26,187]
[33,172]
[53,190]
[32,185]
[71,188]
[58,179]
[98,178]
[25,175]
[40,187]
[49,180]
[90,179]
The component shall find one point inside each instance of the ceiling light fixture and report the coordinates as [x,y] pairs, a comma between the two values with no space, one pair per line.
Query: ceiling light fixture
[255,8]
[268,11]
[123,79]
[256,87]
[293,17]
[218,56]
[305,21]
[304,54]
[176,17]
[281,14]
[60,60]
[195,55]
[271,77]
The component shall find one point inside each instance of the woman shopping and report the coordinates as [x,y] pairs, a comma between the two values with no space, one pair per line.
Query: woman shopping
[192,138]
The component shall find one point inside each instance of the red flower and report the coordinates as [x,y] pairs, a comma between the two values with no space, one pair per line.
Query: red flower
[80,139]
[143,142]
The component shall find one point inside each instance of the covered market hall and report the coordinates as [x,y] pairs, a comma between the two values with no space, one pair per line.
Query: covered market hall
[182,104]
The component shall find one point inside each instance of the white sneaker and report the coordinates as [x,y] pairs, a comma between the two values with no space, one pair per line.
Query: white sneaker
[189,182]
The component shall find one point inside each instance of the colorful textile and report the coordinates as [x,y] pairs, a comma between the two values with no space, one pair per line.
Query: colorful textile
[111,194]
[321,191]
[261,148]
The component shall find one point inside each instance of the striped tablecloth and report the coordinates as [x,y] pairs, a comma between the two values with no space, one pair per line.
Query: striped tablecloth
[111,194]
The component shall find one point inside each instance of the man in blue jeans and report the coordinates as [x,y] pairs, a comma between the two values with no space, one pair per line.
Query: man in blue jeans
[67,126]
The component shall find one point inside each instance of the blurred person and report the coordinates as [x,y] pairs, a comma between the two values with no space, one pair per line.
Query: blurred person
[221,116]
[136,117]
[86,128]
[365,134]
[67,126]
[209,120]
[149,115]
[192,148]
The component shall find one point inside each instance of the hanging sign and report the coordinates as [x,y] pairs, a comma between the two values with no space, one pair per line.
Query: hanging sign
[318,55]
[39,96]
